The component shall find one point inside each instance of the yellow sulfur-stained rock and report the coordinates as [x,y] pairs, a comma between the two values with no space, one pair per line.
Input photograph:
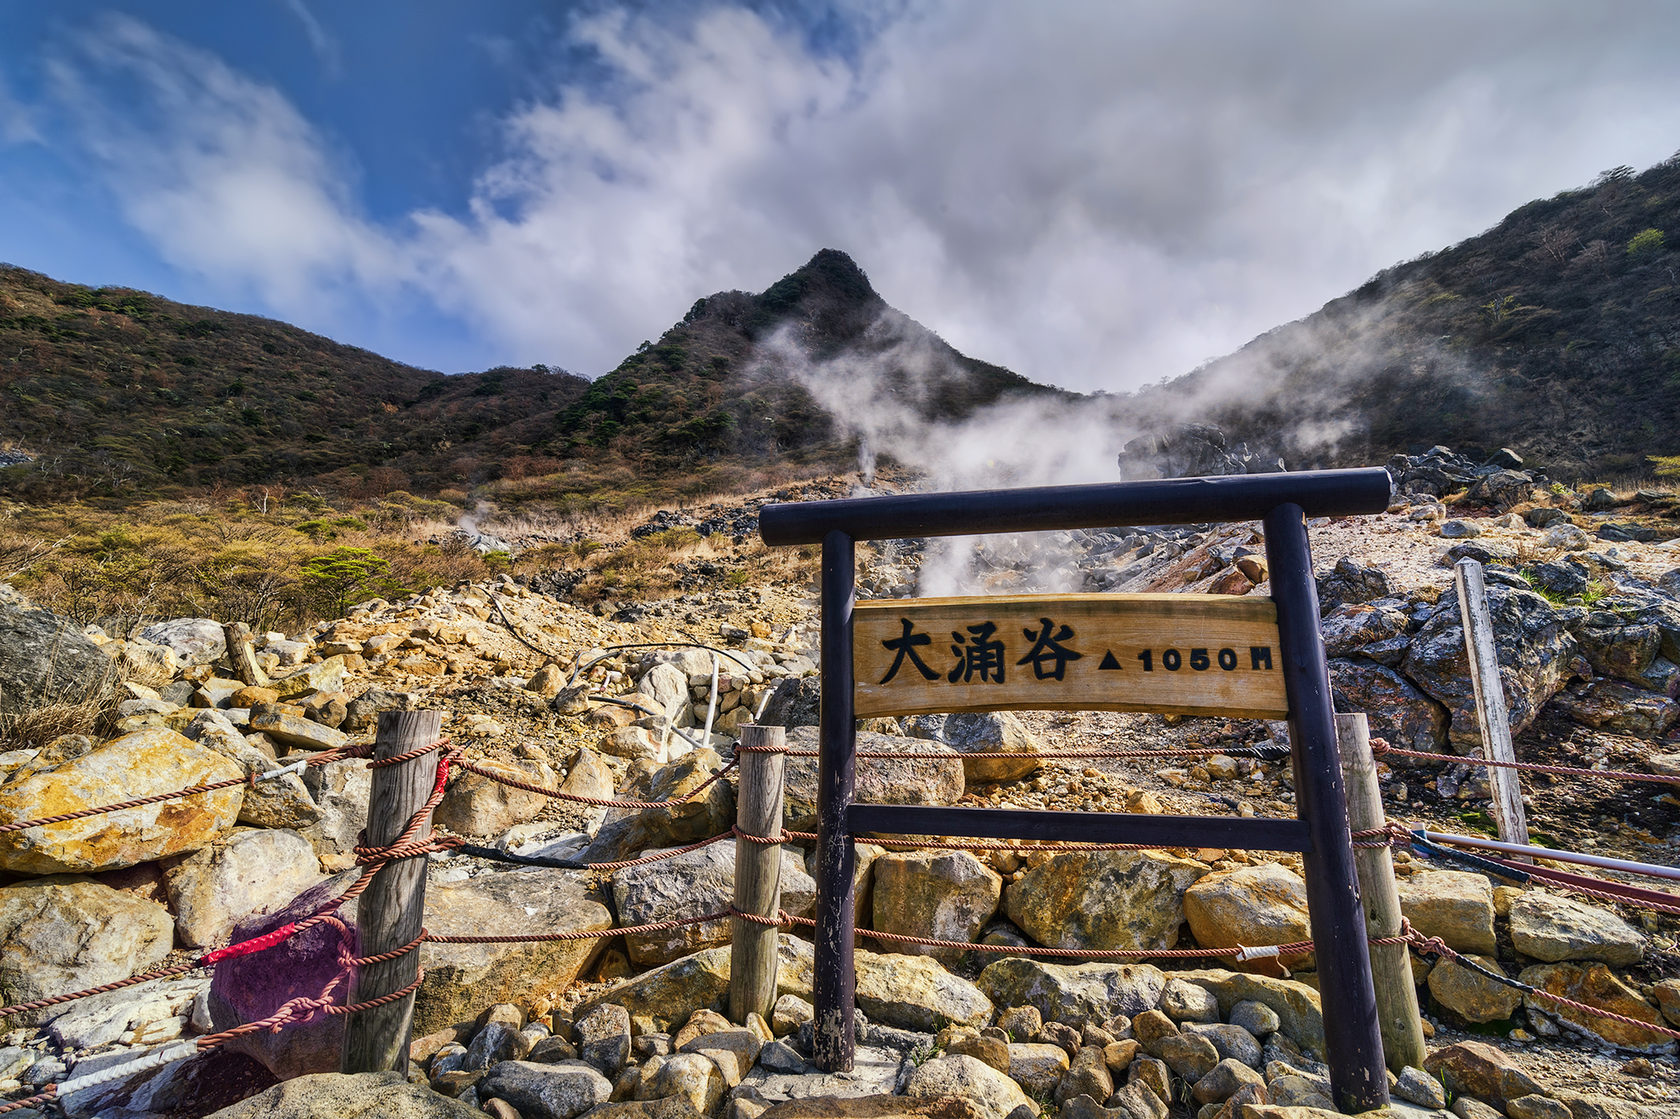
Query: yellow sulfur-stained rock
[147,762]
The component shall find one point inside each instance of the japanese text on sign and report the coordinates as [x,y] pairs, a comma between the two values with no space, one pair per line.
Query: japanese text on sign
[1193,654]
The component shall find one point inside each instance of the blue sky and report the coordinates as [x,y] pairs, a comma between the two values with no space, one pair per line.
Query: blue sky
[1095,194]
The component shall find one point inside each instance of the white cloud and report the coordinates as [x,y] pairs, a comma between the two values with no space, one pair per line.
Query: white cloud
[326,47]
[1095,195]
[222,174]
[17,123]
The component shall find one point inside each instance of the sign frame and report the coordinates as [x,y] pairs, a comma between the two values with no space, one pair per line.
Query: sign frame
[1282,502]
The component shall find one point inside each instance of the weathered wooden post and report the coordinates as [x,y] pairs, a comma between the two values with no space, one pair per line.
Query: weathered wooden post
[758,872]
[1391,970]
[242,656]
[1491,712]
[1352,1040]
[390,912]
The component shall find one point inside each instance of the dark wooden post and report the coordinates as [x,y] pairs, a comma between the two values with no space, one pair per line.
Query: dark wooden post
[1353,1043]
[390,912]
[834,983]
[758,873]
[1391,969]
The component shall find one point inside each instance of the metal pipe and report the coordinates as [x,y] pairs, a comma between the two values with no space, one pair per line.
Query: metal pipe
[1650,869]
[1234,497]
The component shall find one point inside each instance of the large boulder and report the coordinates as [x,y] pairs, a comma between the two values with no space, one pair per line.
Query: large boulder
[915,993]
[147,762]
[917,780]
[365,1095]
[62,934]
[664,689]
[969,1078]
[1300,1013]
[1073,993]
[1455,905]
[1595,986]
[193,640]
[944,895]
[1553,929]
[1620,708]
[46,659]
[1103,899]
[1536,656]
[984,732]
[477,805]
[462,978]
[1399,713]
[626,832]
[254,870]
[1470,995]
[1253,906]
[660,1000]
[690,885]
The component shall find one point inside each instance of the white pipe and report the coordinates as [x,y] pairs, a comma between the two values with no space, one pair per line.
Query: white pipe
[711,704]
[1547,853]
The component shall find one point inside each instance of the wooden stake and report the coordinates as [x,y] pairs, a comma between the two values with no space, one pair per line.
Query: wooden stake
[758,874]
[242,656]
[389,913]
[1491,712]
[1391,971]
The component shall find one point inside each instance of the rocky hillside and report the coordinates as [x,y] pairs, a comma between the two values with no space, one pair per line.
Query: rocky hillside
[1583,587]
[1553,333]
[212,397]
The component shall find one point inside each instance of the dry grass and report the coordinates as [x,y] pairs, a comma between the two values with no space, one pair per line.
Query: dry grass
[32,730]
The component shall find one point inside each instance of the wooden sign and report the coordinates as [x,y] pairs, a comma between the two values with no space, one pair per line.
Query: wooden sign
[1189,654]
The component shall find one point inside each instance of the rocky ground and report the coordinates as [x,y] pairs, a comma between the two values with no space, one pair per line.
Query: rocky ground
[615,700]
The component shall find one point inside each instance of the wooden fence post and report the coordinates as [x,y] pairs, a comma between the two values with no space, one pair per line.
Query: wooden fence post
[390,912]
[758,873]
[1391,970]
[1491,712]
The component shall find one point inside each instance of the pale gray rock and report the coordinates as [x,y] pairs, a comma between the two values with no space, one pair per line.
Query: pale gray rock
[367,1095]
[1551,928]
[690,885]
[969,1078]
[340,790]
[1073,993]
[193,640]
[539,1091]
[917,780]
[1103,899]
[664,688]
[63,934]
[984,732]
[254,870]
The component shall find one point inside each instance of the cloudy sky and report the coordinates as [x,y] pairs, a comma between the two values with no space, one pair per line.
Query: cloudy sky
[1097,194]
